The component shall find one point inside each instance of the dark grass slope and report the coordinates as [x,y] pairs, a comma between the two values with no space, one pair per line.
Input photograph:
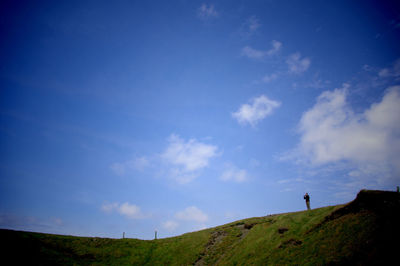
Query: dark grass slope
[365,231]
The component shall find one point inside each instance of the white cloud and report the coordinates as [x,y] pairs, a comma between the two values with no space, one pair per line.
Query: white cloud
[232,173]
[192,213]
[331,132]
[192,155]
[259,54]
[296,64]
[188,157]
[129,210]
[170,225]
[182,159]
[257,110]
[206,12]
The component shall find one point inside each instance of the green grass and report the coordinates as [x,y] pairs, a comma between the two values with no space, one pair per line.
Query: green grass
[347,234]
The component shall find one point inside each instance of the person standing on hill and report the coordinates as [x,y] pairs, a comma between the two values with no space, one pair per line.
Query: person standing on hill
[307,198]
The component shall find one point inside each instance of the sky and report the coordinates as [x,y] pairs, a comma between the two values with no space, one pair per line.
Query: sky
[137,116]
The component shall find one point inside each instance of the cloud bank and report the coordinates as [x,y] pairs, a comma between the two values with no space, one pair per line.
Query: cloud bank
[331,132]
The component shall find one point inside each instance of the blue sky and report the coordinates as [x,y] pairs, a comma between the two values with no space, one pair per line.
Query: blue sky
[136,116]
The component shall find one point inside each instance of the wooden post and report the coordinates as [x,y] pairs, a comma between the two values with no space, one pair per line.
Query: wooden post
[155,234]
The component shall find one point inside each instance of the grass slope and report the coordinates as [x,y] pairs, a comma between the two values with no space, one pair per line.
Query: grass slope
[364,232]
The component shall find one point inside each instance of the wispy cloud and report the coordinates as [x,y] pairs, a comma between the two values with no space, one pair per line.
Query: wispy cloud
[276,46]
[250,26]
[270,77]
[131,211]
[193,214]
[139,163]
[170,225]
[297,64]
[393,71]
[252,53]
[254,163]
[187,157]
[190,217]
[316,82]
[31,223]
[182,160]
[232,173]
[206,12]
[255,111]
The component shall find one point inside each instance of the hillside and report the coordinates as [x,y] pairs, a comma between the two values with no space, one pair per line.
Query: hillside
[363,232]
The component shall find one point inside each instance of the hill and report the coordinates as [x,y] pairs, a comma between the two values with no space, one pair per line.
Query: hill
[363,232]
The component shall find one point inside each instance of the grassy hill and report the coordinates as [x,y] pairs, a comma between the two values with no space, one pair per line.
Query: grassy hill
[363,232]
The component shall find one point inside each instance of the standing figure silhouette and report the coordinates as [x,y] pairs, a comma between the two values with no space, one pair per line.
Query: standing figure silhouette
[307,198]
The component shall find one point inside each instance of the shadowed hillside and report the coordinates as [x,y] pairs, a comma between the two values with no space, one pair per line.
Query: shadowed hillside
[363,232]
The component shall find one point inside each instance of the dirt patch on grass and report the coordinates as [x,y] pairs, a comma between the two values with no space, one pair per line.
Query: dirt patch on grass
[241,230]
[244,229]
[249,226]
[215,239]
[291,242]
[282,230]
